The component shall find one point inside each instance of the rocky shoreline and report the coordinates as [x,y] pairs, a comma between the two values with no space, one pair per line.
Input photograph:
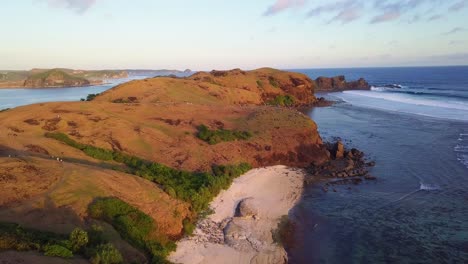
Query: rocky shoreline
[344,167]
[244,219]
[246,216]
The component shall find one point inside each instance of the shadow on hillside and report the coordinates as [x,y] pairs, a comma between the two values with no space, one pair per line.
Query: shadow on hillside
[42,214]
[24,154]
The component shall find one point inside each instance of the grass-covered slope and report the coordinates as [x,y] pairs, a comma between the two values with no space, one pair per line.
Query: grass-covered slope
[162,146]
[219,87]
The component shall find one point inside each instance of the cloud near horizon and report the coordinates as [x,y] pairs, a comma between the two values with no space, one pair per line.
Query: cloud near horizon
[458,6]
[454,31]
[345,10]
[78,6]
[380,11]
[281,5]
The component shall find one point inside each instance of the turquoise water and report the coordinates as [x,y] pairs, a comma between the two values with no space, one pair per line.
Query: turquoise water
[417,210]
[10,98]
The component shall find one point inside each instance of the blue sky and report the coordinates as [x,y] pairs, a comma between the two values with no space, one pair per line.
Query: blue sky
[215,34]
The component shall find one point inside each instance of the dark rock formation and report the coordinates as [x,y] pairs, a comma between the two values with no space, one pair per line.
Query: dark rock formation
[339,83]
[344,166]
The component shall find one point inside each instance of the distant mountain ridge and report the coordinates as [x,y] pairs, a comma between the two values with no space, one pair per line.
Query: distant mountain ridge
[64,77]
[163,72]
[55,78]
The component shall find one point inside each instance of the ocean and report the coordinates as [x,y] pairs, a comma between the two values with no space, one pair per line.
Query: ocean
[414,124]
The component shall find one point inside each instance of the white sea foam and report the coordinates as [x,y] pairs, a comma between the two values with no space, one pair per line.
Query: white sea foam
[410,99]
[408,103]
[459,148]
[429,187]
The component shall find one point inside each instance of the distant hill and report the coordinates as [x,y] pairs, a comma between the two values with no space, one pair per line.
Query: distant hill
[59,77]
[55,78]
[164,72]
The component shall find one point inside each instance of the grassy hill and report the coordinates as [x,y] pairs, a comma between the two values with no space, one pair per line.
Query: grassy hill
[60,77]
[163,147]
[54,78]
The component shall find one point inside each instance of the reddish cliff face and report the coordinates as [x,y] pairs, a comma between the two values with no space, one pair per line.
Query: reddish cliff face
[339,83]
[265,83]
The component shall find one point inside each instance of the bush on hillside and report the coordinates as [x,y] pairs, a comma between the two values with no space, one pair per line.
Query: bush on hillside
[283,100]
[132,224]
[106,254]
[57,251]
[216,136]
[78,239]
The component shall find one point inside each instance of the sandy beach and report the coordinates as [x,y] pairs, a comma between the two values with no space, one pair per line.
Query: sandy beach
[240,229]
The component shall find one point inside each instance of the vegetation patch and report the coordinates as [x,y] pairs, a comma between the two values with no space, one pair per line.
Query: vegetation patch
[273,82]
[283,100]
[57,251]
[15,237]
[216,136]
[198,188]
[90,97]
[133,225]
[260,84]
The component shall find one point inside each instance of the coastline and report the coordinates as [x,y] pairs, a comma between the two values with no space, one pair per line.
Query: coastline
[52,87]
[244,218]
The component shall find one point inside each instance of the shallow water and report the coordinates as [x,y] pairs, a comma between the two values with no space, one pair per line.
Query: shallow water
[417,209]
[416,212]
[10,98]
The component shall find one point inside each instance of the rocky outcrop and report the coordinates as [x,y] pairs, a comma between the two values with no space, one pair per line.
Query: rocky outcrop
[344,166]
[246,208]
[339,83]
[337,150]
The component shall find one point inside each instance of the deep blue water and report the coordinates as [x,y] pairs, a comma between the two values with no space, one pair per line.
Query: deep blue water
[417,210]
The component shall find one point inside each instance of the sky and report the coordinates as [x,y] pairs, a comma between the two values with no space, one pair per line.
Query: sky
[225,34]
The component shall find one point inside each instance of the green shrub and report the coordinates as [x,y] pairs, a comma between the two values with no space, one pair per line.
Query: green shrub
[15,237]
[106,254]
[57,251]
[283,100]
[189,227]
[132,224]
[216,136]
[273,82]
[260,84]
[78,239]
[91,97]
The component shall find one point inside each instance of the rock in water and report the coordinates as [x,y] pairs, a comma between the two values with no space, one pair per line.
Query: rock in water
[339,150]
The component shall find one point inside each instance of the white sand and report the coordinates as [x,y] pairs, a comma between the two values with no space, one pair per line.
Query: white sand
[223,238]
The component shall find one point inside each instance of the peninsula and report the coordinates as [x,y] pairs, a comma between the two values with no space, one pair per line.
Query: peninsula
[135,169]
